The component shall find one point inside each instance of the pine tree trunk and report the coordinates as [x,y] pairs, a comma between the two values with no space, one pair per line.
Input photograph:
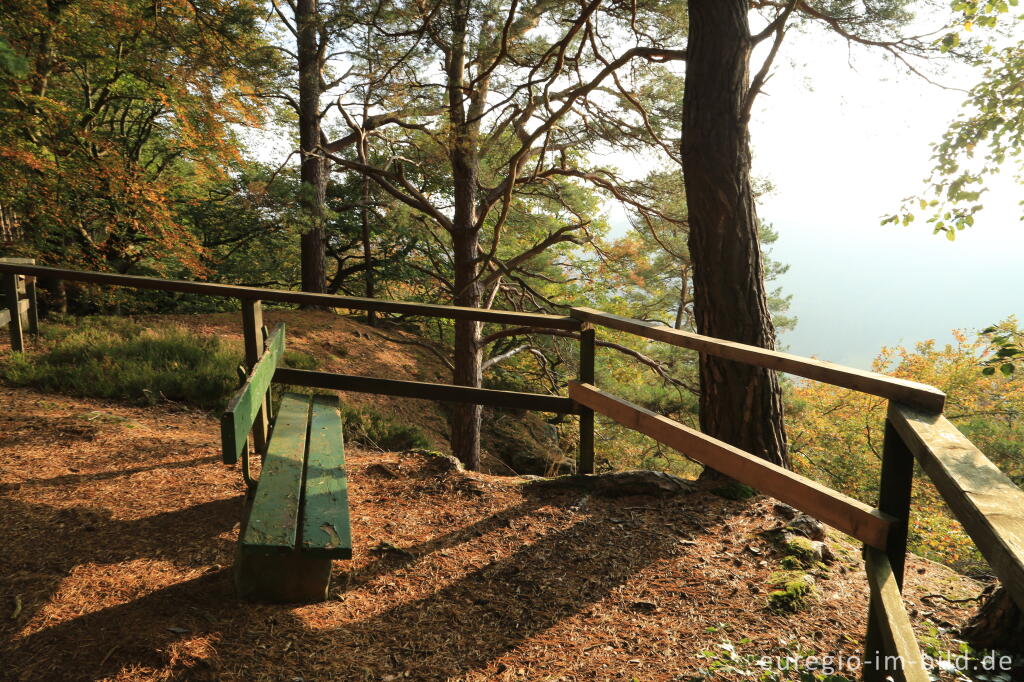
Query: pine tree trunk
[739,404]
[313,173]
[371,316]
[465,163]
[998,624]
[465,419]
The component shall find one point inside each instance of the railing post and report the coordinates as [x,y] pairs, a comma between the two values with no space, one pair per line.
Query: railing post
[33,306]
[585,465]
[894,500]
[10,288]
[252,332]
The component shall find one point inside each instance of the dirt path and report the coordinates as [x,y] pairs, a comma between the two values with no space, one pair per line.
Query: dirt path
[119,525]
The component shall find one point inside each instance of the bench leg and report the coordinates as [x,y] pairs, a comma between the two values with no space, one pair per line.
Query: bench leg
[286,578]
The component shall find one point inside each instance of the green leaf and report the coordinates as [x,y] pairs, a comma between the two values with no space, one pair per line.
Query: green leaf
[1007,368]
[988,371]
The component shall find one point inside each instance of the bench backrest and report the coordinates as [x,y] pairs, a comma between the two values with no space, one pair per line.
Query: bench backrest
[237,420]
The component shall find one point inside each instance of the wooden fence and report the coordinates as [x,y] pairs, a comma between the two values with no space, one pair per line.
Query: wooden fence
[988,504]
[20,312]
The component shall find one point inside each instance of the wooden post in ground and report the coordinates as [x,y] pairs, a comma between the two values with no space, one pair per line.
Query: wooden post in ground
[252,332]
[894,500]
[585,464]
[10,288]
[33,306]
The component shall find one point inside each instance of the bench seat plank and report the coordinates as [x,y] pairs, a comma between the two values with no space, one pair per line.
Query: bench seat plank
[325,522]
[274,519]
[237,420]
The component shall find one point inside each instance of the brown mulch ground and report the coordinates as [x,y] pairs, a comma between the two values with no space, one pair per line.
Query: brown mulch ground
[118,527]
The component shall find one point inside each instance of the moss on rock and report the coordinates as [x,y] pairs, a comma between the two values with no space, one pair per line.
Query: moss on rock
[792,594]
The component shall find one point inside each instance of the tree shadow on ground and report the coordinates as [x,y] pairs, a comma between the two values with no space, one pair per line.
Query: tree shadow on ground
[458,628]
[43,544]
[77,478]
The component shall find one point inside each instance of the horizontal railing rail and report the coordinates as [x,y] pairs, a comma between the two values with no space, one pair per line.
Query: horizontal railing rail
[425,391]
[541,320]
[987,503]
[982,497]
[830,506]
[909,392]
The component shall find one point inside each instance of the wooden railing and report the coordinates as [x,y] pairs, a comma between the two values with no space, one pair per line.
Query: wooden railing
[988,504]
[20,310]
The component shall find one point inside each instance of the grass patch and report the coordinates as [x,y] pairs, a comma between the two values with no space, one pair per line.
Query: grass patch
[119,359]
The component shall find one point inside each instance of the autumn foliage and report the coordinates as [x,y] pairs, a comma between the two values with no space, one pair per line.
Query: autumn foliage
[836,435]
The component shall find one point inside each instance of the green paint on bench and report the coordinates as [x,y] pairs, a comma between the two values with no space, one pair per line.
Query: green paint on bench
[274,519]
[237,421]
[325,524]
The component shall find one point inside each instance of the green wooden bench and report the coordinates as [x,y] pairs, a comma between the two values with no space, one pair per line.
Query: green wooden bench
[296,517]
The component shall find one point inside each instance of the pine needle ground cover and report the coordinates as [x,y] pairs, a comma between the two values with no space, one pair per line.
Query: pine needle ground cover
[119,532]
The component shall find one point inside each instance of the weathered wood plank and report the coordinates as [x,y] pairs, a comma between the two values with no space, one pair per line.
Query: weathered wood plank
[902,656]
[10,291]
[325,522]
[983,498]
[588,354]
[424,390]
[909,392]
[893,499]
[5,314]
[829,506]
[32,305]
[274,520]
[300,297]
[252,335]
[245,406]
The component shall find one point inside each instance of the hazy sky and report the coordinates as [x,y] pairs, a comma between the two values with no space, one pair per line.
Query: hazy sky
[843,146]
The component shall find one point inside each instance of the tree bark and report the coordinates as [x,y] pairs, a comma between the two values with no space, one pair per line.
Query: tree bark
[739,404]
[313,173]
[998,624]
[371,315]
[465,162]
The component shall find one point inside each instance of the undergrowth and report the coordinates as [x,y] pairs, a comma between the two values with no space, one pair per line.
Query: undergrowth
[120,359]
[370,428]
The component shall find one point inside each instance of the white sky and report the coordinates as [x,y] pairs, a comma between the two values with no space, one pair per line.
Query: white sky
[843,146]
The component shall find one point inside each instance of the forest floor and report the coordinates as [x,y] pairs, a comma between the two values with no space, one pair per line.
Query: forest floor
[118,533]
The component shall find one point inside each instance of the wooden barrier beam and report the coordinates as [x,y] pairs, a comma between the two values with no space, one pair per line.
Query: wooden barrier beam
[837,510]
[300,297]
[983,498]
[909,392]
[425,391]
[900,655]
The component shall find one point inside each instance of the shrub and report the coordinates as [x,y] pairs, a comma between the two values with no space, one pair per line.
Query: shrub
[116,358]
